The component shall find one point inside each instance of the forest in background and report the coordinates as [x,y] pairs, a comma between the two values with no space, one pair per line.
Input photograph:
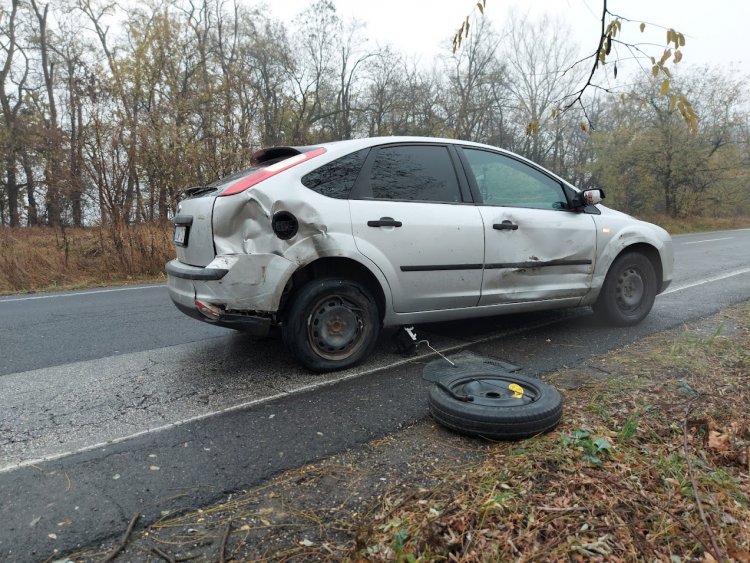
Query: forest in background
[107,114]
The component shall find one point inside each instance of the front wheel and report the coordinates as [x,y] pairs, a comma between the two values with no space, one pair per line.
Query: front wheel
[629,290]
[331,324]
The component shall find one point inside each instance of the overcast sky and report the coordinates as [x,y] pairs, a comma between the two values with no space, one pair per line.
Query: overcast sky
[715,31]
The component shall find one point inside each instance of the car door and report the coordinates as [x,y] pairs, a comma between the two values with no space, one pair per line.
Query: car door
[536,247]
[412,217]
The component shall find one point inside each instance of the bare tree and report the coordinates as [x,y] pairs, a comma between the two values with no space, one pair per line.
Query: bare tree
[537,54]
[477,85]
[11,102]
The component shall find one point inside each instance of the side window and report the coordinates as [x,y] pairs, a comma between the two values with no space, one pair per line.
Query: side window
[508,182]
[336,178]
[414,173]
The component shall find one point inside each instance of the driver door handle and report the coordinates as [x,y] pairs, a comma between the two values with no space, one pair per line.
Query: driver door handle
[505,226]
[384,222]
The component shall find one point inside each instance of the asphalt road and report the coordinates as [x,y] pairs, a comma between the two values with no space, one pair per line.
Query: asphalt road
[112,402]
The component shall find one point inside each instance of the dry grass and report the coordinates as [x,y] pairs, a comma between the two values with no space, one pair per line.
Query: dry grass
[684,225]
[40,259]
[625,477]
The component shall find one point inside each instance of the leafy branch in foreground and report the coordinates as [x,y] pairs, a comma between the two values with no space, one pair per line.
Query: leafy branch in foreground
[611,26]
[463,31]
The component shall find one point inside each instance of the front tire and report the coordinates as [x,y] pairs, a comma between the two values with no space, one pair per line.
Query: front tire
[629,290]
[331,324]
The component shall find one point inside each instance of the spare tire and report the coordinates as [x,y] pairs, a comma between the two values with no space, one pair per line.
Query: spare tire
[495,406]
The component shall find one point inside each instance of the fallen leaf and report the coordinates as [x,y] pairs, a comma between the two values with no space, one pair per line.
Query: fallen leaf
[52,536]
[718,441]
[729,519]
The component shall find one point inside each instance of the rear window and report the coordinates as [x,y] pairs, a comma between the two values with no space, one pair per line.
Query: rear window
[336,179]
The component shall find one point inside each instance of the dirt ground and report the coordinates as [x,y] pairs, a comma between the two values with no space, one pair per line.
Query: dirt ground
[650,463]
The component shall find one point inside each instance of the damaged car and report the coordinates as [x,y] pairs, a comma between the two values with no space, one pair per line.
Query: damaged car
[332,242]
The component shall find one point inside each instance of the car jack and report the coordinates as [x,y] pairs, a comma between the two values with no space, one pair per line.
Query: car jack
[407,341]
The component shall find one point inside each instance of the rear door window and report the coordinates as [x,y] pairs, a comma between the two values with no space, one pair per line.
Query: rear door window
[412,173]
[336,178]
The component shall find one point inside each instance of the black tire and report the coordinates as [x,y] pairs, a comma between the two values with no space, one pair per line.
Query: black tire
[495,411]
[629,290]
[330,324]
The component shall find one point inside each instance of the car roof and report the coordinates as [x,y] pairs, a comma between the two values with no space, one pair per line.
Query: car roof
[366,142]
[339,148]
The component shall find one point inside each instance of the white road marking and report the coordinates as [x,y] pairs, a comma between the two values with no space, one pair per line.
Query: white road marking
[707,280]
[313,386]
[254,402]
[708,240]
[78,294]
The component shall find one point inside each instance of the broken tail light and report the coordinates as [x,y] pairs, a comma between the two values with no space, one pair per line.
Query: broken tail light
[258,176]
[208,310]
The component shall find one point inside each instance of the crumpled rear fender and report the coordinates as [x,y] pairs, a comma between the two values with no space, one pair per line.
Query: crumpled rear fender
[243,232]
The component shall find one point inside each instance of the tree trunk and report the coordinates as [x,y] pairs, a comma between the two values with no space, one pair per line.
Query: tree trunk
[32,213]
[11,190]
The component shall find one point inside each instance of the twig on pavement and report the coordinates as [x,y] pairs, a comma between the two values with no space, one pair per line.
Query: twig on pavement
[224,540]
[124,539]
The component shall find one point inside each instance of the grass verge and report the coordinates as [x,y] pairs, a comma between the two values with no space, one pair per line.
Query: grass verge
[649,463]
[686,225]
[47,259]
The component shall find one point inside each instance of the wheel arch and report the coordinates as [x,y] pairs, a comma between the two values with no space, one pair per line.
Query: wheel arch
[650,252]
[336,266]
[612,253]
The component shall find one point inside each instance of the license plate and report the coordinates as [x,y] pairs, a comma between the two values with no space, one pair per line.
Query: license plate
[180,235]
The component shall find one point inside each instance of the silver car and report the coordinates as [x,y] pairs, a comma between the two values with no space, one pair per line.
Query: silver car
[334,241]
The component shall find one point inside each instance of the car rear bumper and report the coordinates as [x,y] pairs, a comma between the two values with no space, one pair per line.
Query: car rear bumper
[237,291]
[177,269]
[252,324]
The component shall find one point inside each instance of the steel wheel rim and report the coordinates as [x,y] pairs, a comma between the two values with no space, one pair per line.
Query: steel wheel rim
[494,390]
[630,290]
[335,327]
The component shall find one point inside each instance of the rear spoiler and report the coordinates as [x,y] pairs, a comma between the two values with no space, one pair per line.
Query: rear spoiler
[277,153]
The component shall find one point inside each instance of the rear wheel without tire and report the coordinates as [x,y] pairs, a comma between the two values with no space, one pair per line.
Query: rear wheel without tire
[331,324]
[494,406]
[629,290]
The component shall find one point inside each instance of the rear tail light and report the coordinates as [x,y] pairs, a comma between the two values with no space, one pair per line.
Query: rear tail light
[258,176]
[207,310]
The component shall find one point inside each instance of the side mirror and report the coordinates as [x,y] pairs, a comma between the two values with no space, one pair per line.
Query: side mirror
[592,197]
